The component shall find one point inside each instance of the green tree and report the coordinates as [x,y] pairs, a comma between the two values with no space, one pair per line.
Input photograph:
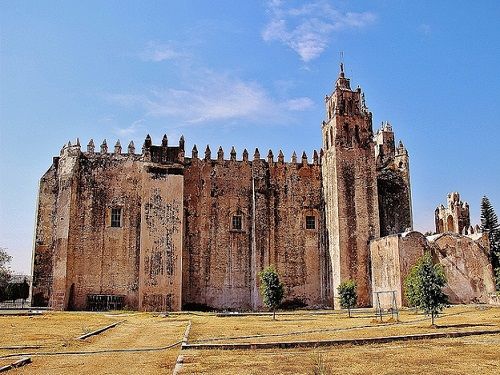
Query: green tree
[427,281]
[489,223]
[411,287]
[5,273]
[271,288]
[24,291]
[348,295]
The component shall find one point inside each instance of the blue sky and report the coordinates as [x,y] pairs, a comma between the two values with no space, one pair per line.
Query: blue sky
[249,74]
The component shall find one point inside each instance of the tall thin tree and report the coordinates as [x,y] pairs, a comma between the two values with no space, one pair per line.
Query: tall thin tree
[489,223]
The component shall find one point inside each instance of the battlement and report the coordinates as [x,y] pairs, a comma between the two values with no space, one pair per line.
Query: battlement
[165,154]
[280,160]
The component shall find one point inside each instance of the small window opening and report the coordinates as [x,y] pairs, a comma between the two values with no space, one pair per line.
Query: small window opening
[116,217]
[310,222]
[236,224]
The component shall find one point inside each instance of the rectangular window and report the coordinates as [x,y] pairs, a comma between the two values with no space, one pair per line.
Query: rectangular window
[310,222]
[116,217]
[236,224]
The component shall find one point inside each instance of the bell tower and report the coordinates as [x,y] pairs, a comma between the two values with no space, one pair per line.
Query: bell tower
[349,187]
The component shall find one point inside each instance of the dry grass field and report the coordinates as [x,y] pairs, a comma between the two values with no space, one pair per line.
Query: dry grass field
[140,343]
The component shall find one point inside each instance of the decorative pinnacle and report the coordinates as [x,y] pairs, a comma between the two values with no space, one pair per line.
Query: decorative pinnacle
[220,154]
[245,155]
[131,147]
[147,142]
[270,157]
[104,147]
[118,147]
[194,152]
[256,154]
[91,146]
[281,157]
[294,157]
[164,141]
[208,153]
[181,142]
[233,154]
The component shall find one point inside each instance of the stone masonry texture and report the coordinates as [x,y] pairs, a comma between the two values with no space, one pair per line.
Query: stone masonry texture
[165,232]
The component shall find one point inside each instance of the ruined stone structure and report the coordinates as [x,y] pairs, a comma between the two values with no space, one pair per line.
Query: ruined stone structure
[453,218]
[464,259]
[462,250]
[159,230]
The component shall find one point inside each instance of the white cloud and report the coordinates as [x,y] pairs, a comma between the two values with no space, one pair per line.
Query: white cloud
[158,52]
[308,29]
[214,97]
[299,104]
[136,127]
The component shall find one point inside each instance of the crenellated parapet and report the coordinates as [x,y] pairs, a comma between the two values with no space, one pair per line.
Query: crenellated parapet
[270,159]
[162,154]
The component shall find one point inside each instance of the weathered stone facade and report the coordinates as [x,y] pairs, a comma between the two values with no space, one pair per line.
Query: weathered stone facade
[455,217]
[165,231]
[464,259]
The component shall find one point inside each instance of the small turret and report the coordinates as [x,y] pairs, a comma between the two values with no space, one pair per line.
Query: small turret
[164,141]
[118,147]
[281,157]
[245,155]
[131,148]
[146,148]
[304,159]
[91,146]
[342,82]
[294,158]
[208,153]
[233,154]
[194,152]
[104,147]
[270,157]
[315,158]
[220,154]
[256,155]
[181,143]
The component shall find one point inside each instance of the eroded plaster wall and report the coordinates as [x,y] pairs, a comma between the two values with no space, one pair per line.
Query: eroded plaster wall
[273,199]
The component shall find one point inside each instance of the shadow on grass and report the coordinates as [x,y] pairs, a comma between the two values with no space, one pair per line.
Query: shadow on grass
[465,325]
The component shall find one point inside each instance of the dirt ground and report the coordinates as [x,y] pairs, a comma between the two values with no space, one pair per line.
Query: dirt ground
[136,346]
[140,343]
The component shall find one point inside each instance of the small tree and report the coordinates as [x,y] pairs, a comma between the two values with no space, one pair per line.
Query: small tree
[411,287]
[5,273]
[425,282]
[348,295]
[489,223]
[271,288]
[24,291]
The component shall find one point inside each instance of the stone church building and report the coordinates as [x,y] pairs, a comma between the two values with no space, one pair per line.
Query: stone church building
[161,230]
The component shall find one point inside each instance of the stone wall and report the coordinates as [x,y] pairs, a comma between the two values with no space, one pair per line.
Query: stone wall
[466,265]
[44,232]
[161,240]
[392,258]
[464,259]
[272,198]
